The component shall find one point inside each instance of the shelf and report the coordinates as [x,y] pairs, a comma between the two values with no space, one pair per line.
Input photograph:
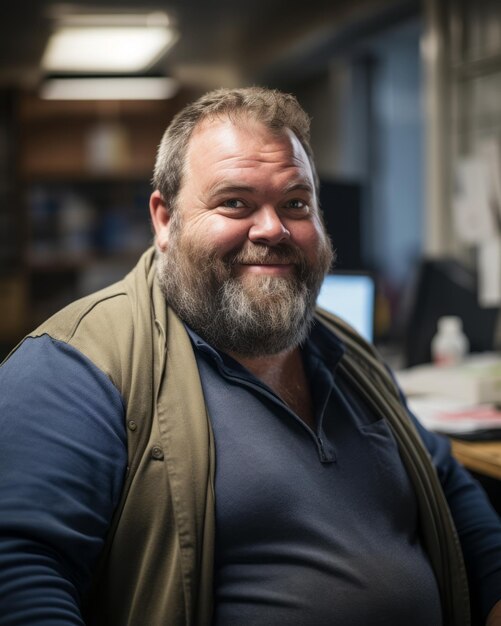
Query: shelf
[69,152]
[87,178]
[101,140]
[476,68]
[62,263]
[83,172]
[33,109]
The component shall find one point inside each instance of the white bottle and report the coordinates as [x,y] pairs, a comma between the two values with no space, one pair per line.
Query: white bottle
[450,345]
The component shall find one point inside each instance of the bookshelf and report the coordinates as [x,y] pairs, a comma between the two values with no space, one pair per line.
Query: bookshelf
[80,173]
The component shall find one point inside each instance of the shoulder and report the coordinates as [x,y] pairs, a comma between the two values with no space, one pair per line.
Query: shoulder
[47,376]
[116,328]
[108,314]
[113,327]
[98,309]
[99,326]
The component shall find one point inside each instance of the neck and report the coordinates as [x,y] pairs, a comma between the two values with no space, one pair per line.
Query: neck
[284,373]
[270,365]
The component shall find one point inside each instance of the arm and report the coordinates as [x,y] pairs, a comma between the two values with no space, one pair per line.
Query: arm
[62,460]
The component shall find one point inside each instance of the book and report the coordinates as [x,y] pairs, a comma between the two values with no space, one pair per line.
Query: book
[476,380]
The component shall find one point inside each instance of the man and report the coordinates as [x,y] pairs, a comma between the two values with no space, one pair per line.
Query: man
[193,445]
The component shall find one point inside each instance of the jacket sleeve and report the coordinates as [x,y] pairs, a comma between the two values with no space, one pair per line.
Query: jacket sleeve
[477,523]
[62,461]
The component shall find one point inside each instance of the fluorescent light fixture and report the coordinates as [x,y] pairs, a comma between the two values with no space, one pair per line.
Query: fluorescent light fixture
[106,49]
[109,88]
[65,17]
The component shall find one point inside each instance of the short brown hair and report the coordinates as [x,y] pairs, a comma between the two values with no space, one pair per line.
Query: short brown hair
[271,107]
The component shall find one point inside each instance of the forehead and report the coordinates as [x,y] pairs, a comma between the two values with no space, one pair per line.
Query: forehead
[225,144]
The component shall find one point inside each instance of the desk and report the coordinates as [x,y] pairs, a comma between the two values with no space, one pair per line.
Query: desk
[472,390]
[480,457]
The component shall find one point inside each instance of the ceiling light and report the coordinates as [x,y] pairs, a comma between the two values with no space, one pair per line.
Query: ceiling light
[65,17]
[105,49]
[110,88]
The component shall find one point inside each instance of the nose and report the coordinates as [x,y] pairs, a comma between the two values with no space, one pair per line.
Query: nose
[267,227]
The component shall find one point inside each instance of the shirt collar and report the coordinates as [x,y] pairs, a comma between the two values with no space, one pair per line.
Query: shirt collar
[321,343]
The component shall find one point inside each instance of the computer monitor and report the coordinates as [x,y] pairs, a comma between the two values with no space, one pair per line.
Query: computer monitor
[341,202]
[351,295]
[445,287]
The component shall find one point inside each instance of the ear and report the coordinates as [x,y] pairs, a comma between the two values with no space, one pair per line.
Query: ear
[160,217]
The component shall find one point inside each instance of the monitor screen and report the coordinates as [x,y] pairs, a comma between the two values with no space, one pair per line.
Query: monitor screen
[445,287]
[351,296]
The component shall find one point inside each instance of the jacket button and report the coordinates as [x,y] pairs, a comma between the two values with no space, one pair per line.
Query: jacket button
[157,453]
[132,425]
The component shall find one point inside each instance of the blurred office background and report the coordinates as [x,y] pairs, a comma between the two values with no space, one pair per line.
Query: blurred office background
[405,98]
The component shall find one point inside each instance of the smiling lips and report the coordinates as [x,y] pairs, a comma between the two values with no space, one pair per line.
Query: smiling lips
[270,269]
[263,261]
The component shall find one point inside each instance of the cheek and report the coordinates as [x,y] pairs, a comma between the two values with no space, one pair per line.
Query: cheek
[223,234]
[308,236]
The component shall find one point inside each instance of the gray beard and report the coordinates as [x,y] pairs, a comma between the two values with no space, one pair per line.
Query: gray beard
[251,316]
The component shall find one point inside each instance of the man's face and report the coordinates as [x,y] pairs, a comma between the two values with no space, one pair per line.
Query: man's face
[245,251]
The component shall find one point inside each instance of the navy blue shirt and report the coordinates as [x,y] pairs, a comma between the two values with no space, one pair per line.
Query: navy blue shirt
[314,527]
[62,463]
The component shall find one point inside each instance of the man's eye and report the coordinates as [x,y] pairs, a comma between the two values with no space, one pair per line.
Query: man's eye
[296,204]
[233,203]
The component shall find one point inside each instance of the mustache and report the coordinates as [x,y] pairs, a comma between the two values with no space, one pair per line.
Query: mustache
[258,254]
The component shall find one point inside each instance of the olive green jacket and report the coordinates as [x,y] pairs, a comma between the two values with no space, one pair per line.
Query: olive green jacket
[157,565]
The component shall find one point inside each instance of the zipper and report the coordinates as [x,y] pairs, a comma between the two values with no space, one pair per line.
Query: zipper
[324,457]
[321,451]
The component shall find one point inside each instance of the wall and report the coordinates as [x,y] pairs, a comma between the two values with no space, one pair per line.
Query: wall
[368,128]
[397,176]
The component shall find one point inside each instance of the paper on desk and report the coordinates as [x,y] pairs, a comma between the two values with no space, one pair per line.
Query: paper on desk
[474,215]
[490,150]
[454,418]
[475,381]
[489,272]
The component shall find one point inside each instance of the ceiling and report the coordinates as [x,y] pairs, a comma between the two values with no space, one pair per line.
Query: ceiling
[222,42]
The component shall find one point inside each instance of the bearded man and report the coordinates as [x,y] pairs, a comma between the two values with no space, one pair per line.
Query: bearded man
[197,445]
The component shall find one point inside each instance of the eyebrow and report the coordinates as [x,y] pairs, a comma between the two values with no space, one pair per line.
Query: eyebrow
[298,187]
[229,187]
